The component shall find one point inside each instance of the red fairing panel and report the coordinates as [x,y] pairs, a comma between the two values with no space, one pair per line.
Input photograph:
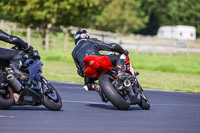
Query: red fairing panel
[97,65]
[127,63]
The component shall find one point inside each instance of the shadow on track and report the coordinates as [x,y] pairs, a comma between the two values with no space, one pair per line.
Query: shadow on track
[26,107]
[110,107]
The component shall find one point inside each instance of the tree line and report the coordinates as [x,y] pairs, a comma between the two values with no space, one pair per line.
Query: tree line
[120,16]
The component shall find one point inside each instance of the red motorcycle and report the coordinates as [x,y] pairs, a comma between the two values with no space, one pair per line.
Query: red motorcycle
[121,92]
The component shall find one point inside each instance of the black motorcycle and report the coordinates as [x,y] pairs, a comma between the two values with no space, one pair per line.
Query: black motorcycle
[31,89]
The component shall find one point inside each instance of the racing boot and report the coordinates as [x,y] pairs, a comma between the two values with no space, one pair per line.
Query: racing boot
[16,63]
[17,72]
[92,87]
[121,69]
[96,87]
[3,83]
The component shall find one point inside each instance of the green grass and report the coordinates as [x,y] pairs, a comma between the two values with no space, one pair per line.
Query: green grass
[179,63]
[161,63]
[164,72]
[57,55]
[60,71]
[169,81]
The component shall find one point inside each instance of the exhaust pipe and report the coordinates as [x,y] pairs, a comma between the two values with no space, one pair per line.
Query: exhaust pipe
[127,84]
[14,83]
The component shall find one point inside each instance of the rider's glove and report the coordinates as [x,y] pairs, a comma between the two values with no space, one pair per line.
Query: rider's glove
[29,49]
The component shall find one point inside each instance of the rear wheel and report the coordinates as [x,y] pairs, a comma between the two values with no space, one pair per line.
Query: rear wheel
[105,82]
[51,98]
[7,99]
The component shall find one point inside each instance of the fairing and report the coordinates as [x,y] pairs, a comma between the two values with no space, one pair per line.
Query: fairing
[97,65]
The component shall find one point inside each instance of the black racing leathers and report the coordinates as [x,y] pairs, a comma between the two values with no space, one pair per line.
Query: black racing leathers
[92,47]
[10,57]
[7,54]
[13,40]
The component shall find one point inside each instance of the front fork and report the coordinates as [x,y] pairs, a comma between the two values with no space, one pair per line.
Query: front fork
[135,96]
[139,91]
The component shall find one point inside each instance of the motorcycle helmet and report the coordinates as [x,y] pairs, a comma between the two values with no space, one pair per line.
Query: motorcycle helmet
[83,34]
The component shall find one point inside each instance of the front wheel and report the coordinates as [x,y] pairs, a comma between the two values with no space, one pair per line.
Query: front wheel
[51,98]
[7,99]
[144,103]
[105,82]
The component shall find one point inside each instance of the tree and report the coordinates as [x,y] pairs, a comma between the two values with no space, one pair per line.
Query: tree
[122,16]
[157,10]
[47,14]
[170,12]
[184,12]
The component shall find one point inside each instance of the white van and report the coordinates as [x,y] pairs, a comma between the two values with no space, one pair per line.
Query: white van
[179,32]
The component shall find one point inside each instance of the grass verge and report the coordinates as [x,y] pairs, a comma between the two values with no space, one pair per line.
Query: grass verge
[62,71]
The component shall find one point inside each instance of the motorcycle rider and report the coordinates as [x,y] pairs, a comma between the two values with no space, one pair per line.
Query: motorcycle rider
[86,46]
[14,56]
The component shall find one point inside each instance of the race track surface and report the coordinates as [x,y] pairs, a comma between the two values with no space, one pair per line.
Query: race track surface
[83,112]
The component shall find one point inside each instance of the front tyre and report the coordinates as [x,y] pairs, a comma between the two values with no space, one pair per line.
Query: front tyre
[144,103]
[7,99]
[51,98]
[105,82]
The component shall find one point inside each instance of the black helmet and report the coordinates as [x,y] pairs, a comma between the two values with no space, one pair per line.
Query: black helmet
[83,34]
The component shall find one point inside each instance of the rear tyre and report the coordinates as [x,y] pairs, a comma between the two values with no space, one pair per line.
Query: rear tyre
[7,99]
[105,82]
[51,98]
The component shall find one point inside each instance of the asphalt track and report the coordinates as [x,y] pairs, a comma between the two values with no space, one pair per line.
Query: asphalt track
[83,112]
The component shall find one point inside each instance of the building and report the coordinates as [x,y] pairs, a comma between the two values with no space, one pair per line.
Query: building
[179,32]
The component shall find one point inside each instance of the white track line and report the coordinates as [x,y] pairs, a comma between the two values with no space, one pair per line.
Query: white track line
[90,102]
[188,105]
[5,116]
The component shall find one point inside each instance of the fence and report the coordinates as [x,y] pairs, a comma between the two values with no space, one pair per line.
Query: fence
[147,44]
[154,45]
[137,43]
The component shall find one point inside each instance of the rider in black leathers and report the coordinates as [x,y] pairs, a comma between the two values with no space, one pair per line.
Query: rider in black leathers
[13,58]
[86,46]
